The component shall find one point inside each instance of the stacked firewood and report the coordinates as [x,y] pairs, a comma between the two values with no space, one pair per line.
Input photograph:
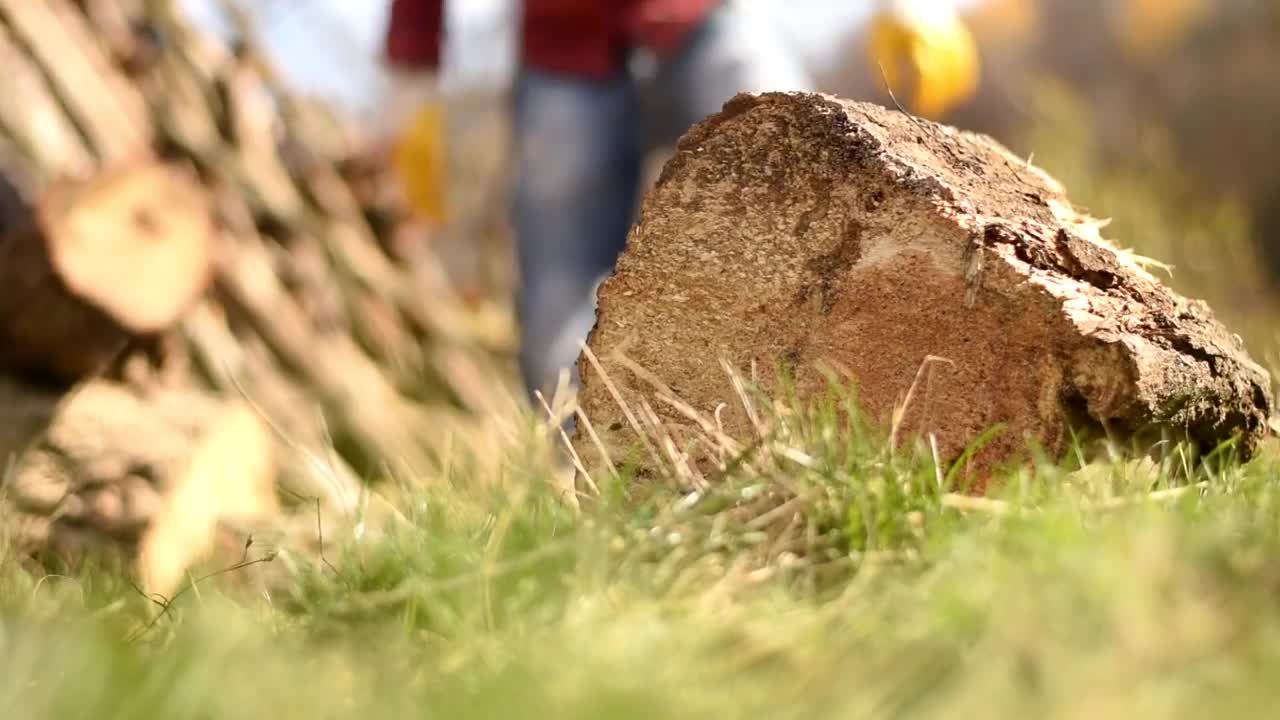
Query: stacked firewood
[213,306]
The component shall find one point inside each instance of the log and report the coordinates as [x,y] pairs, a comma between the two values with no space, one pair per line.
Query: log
[229,476]
[160,480]
[374,421]
[106,109]
[100,262]
[234,366]
[33,119]
[95,463]
[796,231]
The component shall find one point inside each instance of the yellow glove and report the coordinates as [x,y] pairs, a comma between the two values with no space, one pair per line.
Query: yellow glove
[418,158]
[925,48]
[413,125]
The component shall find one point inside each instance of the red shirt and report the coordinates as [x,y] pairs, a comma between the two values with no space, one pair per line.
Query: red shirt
[587,38]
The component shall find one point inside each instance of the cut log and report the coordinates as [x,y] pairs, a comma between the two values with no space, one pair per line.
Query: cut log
[93,463]
[157,479]
[32,116]
[107,110]
[120,256]
[369,416]
[230,476]
[799,230]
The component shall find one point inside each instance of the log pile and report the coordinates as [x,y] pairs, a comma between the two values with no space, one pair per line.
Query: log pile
[183,241]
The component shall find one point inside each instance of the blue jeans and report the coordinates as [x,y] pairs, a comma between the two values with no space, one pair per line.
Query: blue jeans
[579,147]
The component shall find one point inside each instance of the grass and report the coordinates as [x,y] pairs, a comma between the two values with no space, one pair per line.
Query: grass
[822,577]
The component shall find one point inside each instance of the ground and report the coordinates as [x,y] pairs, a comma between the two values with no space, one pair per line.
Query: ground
[1104,593]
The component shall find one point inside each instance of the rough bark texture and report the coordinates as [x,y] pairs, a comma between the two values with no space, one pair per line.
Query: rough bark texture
[803,230]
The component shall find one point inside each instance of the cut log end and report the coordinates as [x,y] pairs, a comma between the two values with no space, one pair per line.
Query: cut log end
[135,243]
[230,475]
[100,262]
[156,476]
[798,230]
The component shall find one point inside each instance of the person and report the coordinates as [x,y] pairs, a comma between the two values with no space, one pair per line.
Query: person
[585,115]
[598,85]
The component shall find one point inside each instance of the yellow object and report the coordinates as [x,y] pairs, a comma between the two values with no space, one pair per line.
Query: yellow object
[924,48]
[419,158]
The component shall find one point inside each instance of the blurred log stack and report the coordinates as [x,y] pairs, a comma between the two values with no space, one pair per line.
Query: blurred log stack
[205,285]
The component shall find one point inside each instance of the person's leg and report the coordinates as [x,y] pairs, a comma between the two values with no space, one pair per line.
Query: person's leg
[738,49]
[576,170]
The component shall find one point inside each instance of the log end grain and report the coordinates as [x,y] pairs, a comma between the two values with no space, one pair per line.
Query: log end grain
[796,231]
[99,262]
